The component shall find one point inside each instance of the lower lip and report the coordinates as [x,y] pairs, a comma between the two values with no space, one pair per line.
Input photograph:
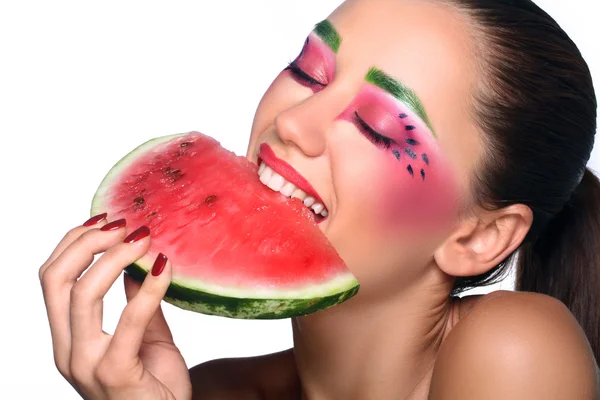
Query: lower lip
[267,155]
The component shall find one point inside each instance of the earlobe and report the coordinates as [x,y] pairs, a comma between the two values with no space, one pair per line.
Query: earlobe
[481,243]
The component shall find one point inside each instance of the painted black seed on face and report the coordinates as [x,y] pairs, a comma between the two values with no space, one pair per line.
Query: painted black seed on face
[396,153]
[425,158]
[403,115]
[412,142]
[410,153]
[423,174]
[410,127]
[410,170]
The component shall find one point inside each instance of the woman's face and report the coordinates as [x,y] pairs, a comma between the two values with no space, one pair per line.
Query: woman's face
[371,121]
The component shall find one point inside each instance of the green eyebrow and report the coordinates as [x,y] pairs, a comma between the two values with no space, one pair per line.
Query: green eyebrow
[326,31]
[400,92]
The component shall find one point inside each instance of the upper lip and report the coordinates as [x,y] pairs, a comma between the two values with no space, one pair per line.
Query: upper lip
[267,155]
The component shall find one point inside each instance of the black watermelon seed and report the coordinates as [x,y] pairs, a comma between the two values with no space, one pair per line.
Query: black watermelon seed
[410,153]
[139,200]
[410,170]
[177,176]
[403,115]
[410,127]
[412,142]
[423,174]
[210,199]
[425,158]
[396,153]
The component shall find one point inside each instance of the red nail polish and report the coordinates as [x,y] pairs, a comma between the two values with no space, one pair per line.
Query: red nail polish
[95,219]
[137,235]
[113,226]
[159,264]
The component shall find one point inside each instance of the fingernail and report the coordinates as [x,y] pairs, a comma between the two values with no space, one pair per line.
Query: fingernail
[113,226]
[159,264]
[95,219]
[137,235]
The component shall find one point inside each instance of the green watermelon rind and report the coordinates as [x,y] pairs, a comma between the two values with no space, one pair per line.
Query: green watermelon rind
[244,307]
[236,303]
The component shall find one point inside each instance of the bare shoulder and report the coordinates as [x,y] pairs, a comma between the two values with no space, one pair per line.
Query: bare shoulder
[518,346]
[271,376]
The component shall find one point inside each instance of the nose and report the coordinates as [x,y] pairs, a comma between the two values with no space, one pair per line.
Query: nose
[306,124]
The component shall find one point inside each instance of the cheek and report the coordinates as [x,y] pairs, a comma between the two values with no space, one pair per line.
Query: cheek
[413,195]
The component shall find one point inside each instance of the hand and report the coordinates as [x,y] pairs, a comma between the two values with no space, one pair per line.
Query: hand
[140,361]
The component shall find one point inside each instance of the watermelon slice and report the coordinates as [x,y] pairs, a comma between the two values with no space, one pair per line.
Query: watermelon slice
[238,248]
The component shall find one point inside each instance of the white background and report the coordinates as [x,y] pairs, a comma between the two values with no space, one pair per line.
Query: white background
[83,83]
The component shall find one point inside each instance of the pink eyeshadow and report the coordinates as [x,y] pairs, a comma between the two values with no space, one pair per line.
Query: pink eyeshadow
[317,60]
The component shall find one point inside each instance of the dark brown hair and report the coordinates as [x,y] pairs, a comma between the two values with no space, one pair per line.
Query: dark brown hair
[536,109]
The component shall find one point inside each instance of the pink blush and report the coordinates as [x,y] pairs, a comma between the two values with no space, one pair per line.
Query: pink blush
[411,183]
[406,199]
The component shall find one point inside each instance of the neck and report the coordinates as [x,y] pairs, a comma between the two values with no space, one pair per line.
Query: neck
[376,349]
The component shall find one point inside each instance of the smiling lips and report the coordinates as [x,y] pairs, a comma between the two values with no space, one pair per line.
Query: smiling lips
[282,177]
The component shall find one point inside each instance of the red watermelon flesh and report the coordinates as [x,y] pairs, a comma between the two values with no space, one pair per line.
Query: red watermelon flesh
[238,248]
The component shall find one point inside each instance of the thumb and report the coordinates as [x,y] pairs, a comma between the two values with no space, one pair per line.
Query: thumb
[158,329]
[131,286]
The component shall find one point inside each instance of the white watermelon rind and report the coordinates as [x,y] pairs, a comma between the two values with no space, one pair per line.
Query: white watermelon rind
[232,302]
[123,163]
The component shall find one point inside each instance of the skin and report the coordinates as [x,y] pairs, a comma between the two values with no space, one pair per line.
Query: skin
[402,336]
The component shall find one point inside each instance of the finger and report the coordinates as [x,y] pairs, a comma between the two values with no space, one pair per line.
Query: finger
[77,256]
[88,293]
[59,278]
[97,221]
[158,330]
[139,312]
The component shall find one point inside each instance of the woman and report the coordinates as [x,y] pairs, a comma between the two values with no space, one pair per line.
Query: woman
[442,137]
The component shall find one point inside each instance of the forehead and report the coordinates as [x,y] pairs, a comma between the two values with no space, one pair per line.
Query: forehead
[427,47]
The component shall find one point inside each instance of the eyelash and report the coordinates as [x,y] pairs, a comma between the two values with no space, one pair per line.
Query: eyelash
[300,74]
[376,137]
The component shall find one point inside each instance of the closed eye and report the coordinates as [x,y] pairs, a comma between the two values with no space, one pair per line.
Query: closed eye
[301,75]
[373,135]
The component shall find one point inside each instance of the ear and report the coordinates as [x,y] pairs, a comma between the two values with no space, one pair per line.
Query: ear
[481,243]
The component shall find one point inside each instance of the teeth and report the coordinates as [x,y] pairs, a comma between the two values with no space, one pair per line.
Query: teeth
[318,208]
[309,201]
[277,183]
[266,175]
[288,189]
[299,194]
